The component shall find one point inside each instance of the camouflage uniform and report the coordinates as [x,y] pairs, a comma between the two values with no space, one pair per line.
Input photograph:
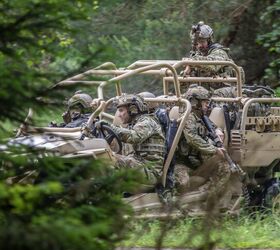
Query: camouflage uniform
[197,151]
[145,134]
[228,92]
[216,52]
[247,91]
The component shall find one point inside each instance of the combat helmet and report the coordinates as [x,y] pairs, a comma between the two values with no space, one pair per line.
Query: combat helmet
[134,103]
[81,99]
[197,92]
[150,105]
[201,31]
[147,94]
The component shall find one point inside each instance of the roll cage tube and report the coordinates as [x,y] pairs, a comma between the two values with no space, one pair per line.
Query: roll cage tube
[77,79]
[176,141]
[225,63]
[141,63]
[247,105]
[168,79]
[100,91]
[144,69]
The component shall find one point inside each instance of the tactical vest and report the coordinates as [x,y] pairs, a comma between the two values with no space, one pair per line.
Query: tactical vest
[188,155]
[153,149]
[78,122]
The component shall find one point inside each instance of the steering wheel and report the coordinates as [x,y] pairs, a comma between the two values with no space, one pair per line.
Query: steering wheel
[106,132]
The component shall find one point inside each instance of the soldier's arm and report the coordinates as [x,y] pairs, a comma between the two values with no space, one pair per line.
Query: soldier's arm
[140,132]
[195,140]
[215,55]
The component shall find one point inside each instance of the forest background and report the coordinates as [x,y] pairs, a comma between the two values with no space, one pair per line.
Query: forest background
[43,42]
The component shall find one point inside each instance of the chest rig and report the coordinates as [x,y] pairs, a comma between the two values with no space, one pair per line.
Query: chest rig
[153,148]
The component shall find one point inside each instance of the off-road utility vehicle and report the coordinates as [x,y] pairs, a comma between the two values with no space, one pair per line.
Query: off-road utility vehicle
[253,142]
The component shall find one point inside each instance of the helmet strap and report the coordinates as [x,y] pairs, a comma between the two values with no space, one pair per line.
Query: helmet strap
[194,102]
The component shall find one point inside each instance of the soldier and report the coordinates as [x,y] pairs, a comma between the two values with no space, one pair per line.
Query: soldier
[78,111]
[197,149]
[144,133]
[204,48]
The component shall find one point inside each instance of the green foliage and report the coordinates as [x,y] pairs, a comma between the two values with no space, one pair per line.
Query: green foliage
[270,39]
[155,29]
[143,30]
[159,30]
[64,204]
[34,34]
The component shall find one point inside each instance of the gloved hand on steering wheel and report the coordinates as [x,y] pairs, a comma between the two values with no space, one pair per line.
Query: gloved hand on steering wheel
[102,129]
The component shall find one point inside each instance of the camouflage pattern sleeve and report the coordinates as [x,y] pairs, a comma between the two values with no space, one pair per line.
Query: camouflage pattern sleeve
[144,128]
[194,139]
[215,55]
[225,92]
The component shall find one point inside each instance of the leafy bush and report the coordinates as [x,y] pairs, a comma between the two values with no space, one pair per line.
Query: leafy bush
[54,203]
[270,39]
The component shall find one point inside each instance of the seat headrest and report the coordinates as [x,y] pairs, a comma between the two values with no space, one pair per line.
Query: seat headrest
[174,113]
[218,118]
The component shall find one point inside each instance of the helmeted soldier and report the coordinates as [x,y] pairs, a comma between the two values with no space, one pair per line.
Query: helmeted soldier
[78,111]
[144,133]
[205,49]
[197,150]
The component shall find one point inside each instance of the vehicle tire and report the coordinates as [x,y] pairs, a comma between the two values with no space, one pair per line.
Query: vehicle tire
[246,196]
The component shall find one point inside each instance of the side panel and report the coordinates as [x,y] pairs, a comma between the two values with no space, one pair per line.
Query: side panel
[259,149]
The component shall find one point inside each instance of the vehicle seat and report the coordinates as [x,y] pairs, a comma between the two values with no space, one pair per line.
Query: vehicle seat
[218,118]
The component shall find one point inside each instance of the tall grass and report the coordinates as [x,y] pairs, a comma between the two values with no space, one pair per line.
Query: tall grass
[247,231]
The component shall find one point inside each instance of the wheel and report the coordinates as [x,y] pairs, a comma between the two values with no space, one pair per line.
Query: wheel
[106,132]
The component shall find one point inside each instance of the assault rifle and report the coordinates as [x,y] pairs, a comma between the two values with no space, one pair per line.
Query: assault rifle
[234,168]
